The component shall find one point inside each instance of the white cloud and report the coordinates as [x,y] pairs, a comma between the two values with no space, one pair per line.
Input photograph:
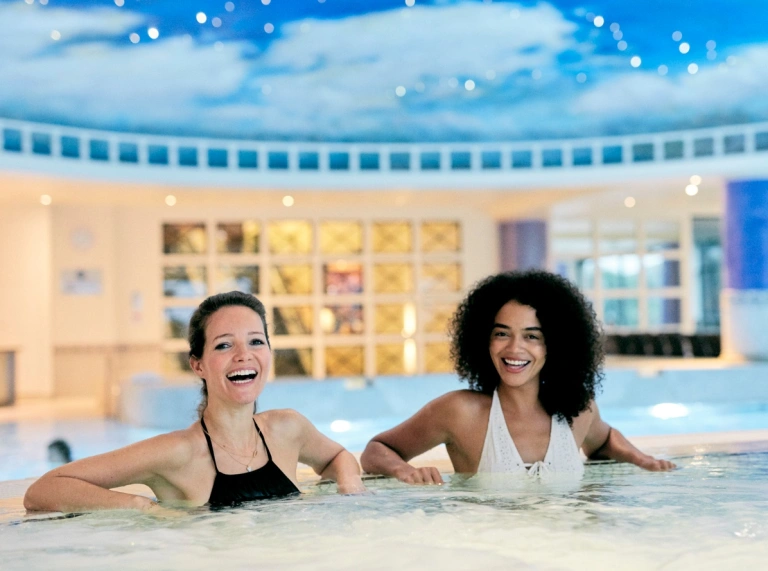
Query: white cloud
[738,87]
[164,82]
[336,79]
[26,29]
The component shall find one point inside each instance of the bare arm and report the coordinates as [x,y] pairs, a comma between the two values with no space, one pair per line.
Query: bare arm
[327,458]
[388,453]
[85,485]
[605,442]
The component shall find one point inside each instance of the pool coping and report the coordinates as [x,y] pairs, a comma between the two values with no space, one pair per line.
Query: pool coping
[668,446]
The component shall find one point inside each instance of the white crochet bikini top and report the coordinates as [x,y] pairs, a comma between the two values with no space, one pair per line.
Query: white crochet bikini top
[501,455]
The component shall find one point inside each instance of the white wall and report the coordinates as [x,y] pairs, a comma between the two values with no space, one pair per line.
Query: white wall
[25,295]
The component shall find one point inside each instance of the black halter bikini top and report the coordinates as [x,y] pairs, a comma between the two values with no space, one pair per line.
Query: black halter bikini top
[269,481]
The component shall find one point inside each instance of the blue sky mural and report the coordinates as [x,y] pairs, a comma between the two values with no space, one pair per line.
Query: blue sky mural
[384,70]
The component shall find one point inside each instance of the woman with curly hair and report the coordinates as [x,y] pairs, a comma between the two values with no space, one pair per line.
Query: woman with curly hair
[530,346]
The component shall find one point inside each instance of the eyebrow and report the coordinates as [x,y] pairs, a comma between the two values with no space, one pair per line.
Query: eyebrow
[232,335]
[502,326]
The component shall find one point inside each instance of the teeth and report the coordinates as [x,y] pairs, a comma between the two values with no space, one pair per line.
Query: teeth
[242,376]
[513,363]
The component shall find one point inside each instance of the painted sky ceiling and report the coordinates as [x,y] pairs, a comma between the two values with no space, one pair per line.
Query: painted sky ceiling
[384,70]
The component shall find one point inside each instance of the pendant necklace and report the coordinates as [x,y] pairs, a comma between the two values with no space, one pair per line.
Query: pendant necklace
[224,448]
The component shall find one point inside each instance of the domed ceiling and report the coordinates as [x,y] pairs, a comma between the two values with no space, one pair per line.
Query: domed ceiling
[384,70]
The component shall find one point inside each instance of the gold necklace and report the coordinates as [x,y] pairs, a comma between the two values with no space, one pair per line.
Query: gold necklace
[224,448]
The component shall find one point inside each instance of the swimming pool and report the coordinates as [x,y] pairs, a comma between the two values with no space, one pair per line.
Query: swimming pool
[23,444]
[709,514]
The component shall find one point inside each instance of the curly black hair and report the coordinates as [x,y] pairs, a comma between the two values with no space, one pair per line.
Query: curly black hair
[572,371]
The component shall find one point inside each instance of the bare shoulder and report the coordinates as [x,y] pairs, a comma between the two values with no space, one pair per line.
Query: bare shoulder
[180,446]
[284,421]
[459,405]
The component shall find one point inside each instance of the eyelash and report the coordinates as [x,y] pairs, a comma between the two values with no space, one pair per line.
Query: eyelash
[529,336]
[222,346]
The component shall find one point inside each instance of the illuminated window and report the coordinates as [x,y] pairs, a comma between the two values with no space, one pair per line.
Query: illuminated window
[237,278]
[341,237]
[344,361]
[342,319]
[440,277]
[392,278]
[389,318]
[184,239]
[389,359]
[177,322]
[440,237]
[438,317]
[238,238]
[621,312]
[295,320]
[392,237]
[292,279]
[437,358]
[343,277]
[290,237]
[620,272]
[185,281]
[293,362]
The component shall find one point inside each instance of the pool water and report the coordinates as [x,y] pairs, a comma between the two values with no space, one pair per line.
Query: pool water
[711,513]
[23,445]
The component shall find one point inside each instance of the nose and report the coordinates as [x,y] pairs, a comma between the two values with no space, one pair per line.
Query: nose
[515,342]
[241,352]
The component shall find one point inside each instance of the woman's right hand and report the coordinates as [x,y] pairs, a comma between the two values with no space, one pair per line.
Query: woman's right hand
[426,476]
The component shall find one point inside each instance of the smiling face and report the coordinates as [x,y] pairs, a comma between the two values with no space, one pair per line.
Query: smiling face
[236,358]
[517,345]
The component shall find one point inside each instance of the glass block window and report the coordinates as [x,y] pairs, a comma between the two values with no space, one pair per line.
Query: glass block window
[392,278]
[440,237]
[184,238]
[291,279]
[342,277]
[237,278]
[185,281]
[238,237]
[341,295]
[437,357]
[392,237]
[389,318]
[344,361]
[389,359]
[341,237]
[438,317]
[342,319]
[440,277]
[290,237]
[177,322]
[295,320]
[292,362]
